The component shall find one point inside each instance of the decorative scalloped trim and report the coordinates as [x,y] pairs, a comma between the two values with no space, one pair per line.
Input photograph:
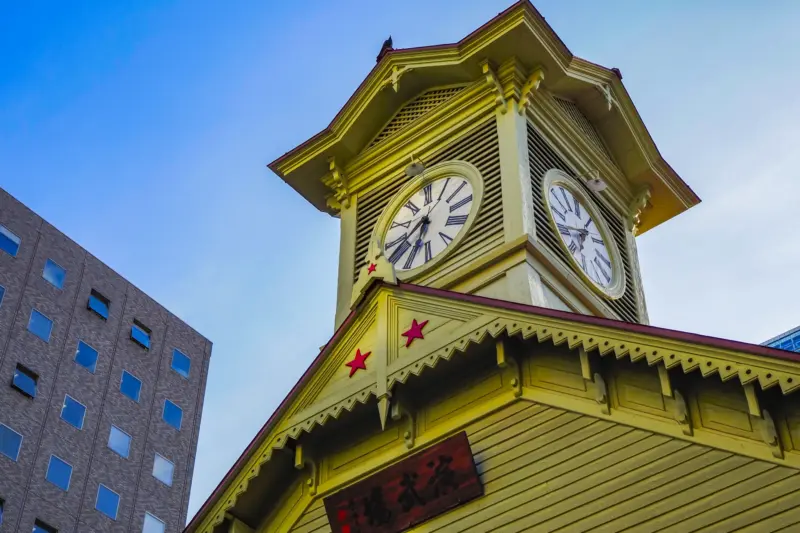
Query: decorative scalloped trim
[279,442]
[707,365]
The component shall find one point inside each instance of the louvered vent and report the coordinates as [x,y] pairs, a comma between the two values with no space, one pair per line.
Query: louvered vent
[582,123]
[415,109]
[543,158]
[479,148]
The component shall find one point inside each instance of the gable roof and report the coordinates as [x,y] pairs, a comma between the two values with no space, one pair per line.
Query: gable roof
[521,32]
[693,352]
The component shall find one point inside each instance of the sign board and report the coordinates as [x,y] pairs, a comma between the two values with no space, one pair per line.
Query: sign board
[409,492]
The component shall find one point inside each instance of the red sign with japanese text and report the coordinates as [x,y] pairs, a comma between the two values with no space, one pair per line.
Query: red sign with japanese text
[414,490]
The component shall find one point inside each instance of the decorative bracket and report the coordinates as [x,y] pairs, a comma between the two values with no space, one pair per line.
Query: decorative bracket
[494,82]
[753,405]
[609,96]
[531,85]
[399,410]
[663,378]
[301,460]
[681,413]
[337,182]
[601,393]
[639,204]
[769,434]
[394,78]
[509,364]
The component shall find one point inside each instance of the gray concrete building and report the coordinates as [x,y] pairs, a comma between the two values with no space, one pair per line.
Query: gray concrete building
[101,391]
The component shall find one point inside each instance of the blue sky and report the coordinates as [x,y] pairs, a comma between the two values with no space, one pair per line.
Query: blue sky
[142,130]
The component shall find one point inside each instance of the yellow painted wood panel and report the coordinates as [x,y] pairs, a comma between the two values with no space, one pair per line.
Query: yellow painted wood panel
[546,469]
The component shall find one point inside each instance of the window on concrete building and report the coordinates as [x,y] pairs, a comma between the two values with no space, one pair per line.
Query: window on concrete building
[73,411]
[140,334]
[42,527]
[40,325]
[173,415]
[163,469]
[54,273]
[99,304]
[107,502]
[119,441]
[25,380]
[181,363]
[2,505]
[59,472]
[10,442]
[2,293]
[130,386]
[153,524]
[86,356]
[9,242]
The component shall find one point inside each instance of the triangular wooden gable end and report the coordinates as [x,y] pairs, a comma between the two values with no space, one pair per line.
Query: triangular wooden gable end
[551,358]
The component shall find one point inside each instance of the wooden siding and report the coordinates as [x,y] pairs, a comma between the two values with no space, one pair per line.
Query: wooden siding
[547,469]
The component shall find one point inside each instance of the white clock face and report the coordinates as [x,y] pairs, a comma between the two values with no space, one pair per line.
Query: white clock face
[428,222]
[581,235]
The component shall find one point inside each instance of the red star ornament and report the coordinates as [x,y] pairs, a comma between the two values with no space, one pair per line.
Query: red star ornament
[358,362]
[414,332]
[371,269]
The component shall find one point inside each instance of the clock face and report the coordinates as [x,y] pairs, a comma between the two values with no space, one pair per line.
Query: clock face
[428,222]
[581,236]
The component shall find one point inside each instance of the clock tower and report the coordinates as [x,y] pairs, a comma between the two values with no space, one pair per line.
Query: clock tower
[531,134]
[492,367]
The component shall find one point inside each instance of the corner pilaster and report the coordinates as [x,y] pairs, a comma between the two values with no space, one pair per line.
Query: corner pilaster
[347,250]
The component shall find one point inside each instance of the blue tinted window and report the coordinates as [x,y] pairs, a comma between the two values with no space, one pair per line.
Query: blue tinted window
[2,293]
[163,470]
[9,242]
[59,473]
[173,415]
[181,363]
[25,381]
[119,441]
[140,334]
[40,325]
[41,527]
[54,273]
[107,502]
[130,386]
[153,524]
[73,411]
[86,356]
[99,304]
[10,442]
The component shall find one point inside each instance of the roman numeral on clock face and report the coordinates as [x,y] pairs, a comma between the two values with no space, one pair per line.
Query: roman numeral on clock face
[397,241]
[577,207]
[446,238]
[458,189]
[559,213]
[456,220]
[597,241]
[413,208]
[444,188]
[572,247]
[400,224]
[464,201]
[562,229]
[428,251]
[399,252]
[411,256]
[428,191]
[564,196]
[602,270]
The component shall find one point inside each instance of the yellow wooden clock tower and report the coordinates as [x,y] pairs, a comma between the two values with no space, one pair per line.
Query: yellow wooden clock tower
[492,367]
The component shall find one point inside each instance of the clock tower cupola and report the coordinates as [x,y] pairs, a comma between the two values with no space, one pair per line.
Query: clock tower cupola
[501,166]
